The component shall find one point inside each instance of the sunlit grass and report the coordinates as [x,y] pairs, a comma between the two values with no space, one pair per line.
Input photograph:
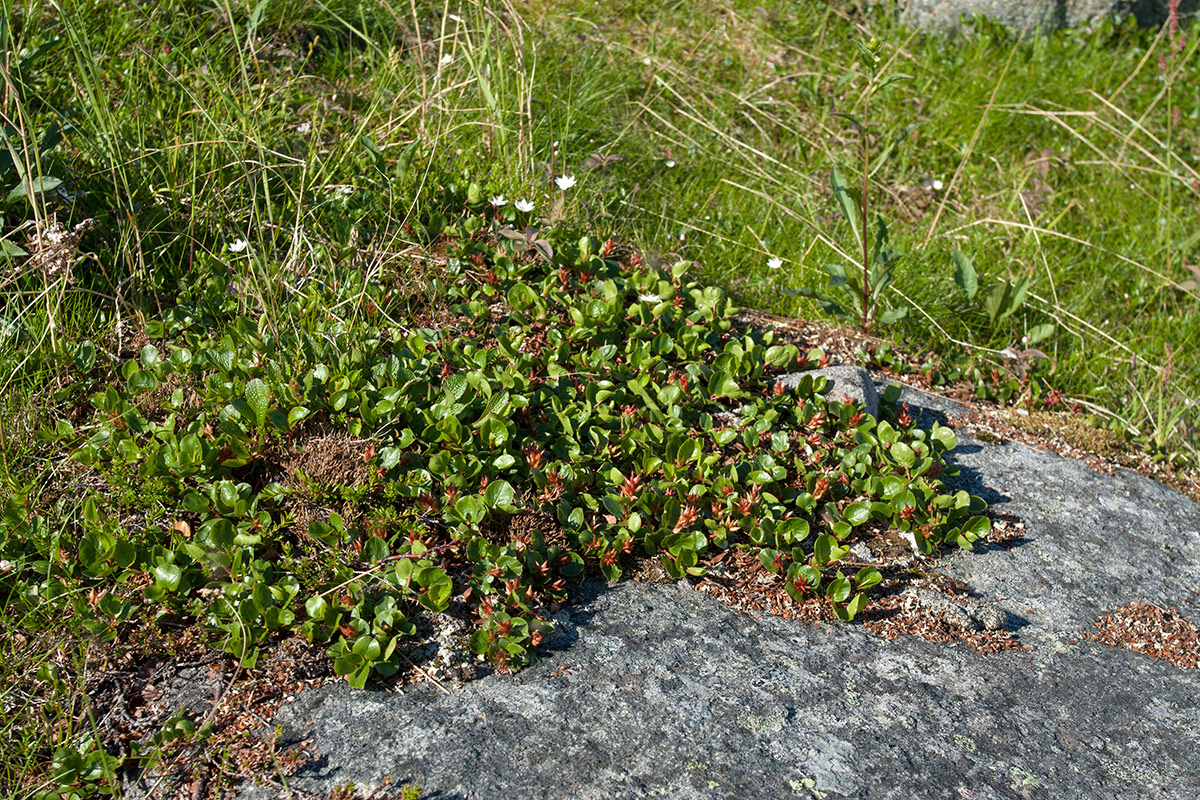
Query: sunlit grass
[320,134]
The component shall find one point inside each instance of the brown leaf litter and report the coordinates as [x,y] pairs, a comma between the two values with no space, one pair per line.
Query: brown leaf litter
[1153,631]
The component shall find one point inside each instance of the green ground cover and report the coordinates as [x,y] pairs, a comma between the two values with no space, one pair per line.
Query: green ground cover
[237,237]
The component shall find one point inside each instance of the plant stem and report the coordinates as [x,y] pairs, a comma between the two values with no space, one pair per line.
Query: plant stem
[1170,168]
[866,182]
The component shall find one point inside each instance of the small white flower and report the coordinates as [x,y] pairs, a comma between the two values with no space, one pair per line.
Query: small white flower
[498,200]
[937,185]
[524,206]
[446,59]
[565,182]
[774,263]
[670,164]
[649,298]
[5,567]
[646,61]
[238,246]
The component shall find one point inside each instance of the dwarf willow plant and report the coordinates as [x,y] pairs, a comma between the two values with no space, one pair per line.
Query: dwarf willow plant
[622,405]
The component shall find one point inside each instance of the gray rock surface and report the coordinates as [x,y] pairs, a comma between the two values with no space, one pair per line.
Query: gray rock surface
[659,691]
[965,614]
[854,382]
[944,15]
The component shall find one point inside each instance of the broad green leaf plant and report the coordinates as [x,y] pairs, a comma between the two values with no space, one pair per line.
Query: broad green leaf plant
[860,285]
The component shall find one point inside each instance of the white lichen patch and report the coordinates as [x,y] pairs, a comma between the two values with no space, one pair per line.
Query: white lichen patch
[441,649]
[807,787]
[1023,778]
[771,722]
[961,613]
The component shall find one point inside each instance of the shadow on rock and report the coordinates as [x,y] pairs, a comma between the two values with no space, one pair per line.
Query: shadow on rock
[970,480]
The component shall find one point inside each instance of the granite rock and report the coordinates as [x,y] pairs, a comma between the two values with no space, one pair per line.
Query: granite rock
[853,382]
[946,15]
[660,691]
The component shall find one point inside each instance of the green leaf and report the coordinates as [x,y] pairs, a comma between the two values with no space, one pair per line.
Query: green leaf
[845,200]
[945,437]
[416,343]
[249,659]
[499,404]
[857,513]
[964,274]
[35,187]
[867,577]
[977,527]
[389,457]
[838,589]
[317,607]
[257,397]
[191,451]
[1041,332]
[792,531]
[868,56]
[11,250]
[438,588]
[889,79]
[439,464]
[168,576]
[499,494]
[140,381]
[854,607]
[256,17]
[1017,298]
[470,509]
[723,385]
[767,557]
[150,356]
[822,548]
[85,356]
[521,297]
[124,554]
[406,156]
[893,142]
[366,648]
[997,301]
[455,386]
[181,358]
[369,145]
[903,454]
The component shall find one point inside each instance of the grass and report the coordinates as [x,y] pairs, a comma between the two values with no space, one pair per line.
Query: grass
[142,141]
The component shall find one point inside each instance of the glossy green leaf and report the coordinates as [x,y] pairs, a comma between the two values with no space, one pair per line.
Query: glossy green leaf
[857,513]
[964,274]
[846,200]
